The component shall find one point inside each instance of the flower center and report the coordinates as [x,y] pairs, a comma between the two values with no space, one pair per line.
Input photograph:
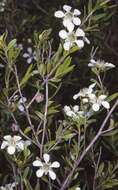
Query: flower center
[12,142]
[46,168]
[68,16]
[72,37]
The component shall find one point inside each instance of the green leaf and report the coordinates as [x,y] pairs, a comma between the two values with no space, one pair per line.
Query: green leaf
[39,114]
[27,185]
[11,44]
[27,75]
[26,172]
[112,97]
[42,69]
[101,168]
[64,68]
[68,135]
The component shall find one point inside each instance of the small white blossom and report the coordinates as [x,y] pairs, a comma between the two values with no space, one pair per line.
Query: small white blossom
[9,186]
[100,64]
[84,93]
[13,143]
[99,101]
[70,18]
[20,46]
[73,38]
[30,55]
[2,5]
[74,112]
[46,167]
[77,188]
[20,104]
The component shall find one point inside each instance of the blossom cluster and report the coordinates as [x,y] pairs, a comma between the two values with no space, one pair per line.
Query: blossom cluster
[89,96]
[73,112]
[72,34]
[15,143]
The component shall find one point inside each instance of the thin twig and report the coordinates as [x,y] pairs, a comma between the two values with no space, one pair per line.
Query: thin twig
[45,119]
[26,109]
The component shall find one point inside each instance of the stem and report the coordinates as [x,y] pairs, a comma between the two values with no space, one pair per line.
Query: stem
[26,109]
[21,179]
[68,179]
[100,81]
[96,165]
[45,119]
[14,173]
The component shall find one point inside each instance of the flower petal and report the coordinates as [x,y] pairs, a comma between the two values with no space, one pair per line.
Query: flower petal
[11,149]
[68,24]
[110,65]
[96,107]
[67,8]
[8,137]
[105,104]
[52,175]
[76,96]
[25,55]
[22,100]
[77,188]
[86,40]
[39,173]
[102,97]
[80,43]
[16,138]
[46,158]
[63,34]
[37,163]
[59,14]
[67,108]
[92,86]
[29,49]
[76,108]
[21,108]
[76,12]
[92,97]
[76,21]
[20,145]
[67,45]
[55,165]
[29,60]
[4,144]
[80,32]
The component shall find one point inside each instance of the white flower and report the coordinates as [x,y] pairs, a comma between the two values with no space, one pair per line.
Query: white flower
[70,18]
[20,104]
[74,37]
[9,186]
[99,101]
[74,112]
[45,167]
[13,143]
[77,188]
[30,55]
[100,64]
[84,93]
[20,46]
[2,5]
